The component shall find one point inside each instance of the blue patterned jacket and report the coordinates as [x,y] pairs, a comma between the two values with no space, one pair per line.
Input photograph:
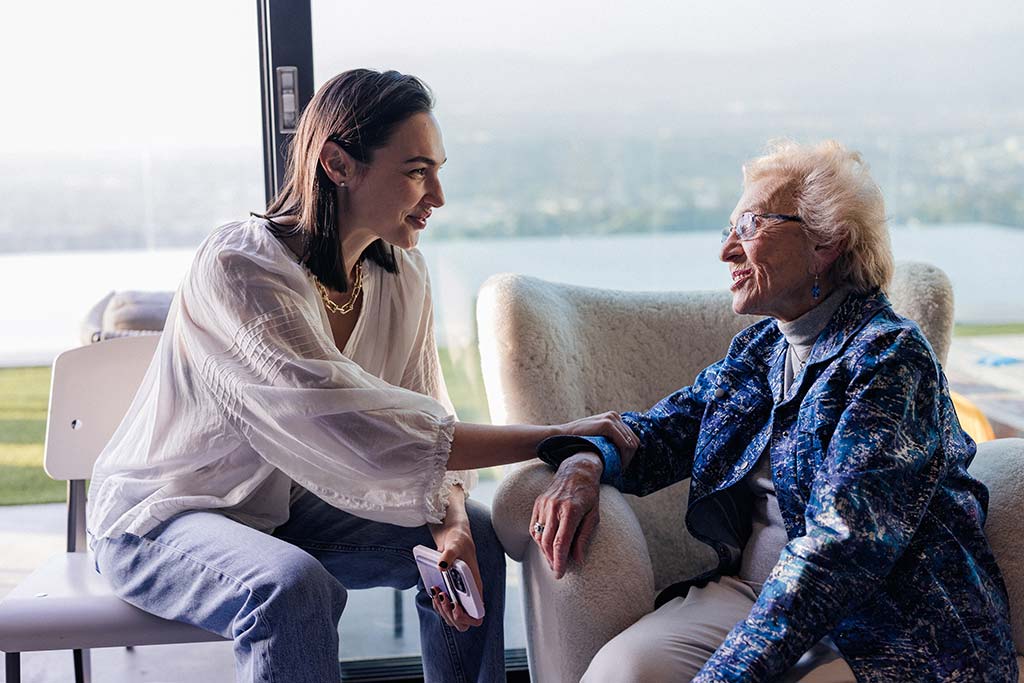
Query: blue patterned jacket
[886,552]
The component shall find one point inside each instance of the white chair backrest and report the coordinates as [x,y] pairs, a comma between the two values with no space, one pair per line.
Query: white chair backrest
[90,392]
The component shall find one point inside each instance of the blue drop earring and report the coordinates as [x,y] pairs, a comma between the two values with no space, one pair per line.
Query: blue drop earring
[816,288]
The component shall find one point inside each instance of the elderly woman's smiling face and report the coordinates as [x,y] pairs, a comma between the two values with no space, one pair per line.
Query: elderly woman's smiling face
[773,270]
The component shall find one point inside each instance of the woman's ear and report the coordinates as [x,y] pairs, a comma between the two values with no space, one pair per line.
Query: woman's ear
[827,254]
[337,163]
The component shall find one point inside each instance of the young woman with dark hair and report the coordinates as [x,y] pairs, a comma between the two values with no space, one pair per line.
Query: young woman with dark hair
[293,437]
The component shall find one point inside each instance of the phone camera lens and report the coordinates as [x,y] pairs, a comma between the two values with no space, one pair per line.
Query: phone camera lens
[457,581]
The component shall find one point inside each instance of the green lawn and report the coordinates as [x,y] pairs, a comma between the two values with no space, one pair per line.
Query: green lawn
[23,397]
[24,393]
[461,368]
[978,330]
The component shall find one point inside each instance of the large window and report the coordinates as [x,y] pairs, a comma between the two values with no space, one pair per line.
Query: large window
[129,131]
[603,146]
[594,144]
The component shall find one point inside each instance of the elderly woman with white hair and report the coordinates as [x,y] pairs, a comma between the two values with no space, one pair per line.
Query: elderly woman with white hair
[828,469]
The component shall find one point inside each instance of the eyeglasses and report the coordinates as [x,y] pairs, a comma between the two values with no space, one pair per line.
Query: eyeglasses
[749,223]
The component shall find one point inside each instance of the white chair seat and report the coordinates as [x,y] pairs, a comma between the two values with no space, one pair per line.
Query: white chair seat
[66,604]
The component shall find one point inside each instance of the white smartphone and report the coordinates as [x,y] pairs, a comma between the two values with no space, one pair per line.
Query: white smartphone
[456,581]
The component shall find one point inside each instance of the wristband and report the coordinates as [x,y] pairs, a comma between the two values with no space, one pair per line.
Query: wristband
[556,449]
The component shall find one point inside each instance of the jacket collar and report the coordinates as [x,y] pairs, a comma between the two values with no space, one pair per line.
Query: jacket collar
[849,319]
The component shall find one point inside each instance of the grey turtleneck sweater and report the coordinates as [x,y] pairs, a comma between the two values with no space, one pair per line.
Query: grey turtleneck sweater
[768,532]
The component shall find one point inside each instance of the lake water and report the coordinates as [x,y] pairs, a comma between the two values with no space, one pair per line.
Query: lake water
[45,296]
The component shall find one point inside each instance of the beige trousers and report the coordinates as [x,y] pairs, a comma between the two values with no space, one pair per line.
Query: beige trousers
[673,642]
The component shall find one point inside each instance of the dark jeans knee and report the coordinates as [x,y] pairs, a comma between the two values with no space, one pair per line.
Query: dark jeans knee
[490,554]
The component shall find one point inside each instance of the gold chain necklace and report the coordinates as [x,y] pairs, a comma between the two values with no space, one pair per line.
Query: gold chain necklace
[345,308]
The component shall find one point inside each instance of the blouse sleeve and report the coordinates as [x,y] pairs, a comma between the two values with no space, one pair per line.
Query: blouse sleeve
[260,349]
[423,373]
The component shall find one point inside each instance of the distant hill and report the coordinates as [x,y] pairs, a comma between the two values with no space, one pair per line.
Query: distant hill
[641,142]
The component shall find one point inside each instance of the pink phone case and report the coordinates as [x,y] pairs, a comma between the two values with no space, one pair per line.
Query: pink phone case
[458,585]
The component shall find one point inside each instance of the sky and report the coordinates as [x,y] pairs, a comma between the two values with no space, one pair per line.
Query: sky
[115,75]
[578,28]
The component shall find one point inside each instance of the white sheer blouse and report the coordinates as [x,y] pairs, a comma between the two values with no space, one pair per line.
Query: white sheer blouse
[248,399]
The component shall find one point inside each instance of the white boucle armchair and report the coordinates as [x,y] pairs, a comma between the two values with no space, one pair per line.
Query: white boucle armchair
[551,353]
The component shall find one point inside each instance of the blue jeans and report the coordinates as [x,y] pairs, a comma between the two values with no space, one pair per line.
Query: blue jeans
[279,597]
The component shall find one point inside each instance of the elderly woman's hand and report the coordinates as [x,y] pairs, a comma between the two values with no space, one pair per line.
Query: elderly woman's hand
[608,425]
[567,513]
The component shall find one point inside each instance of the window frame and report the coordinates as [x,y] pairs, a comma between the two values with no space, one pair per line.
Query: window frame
[285,39]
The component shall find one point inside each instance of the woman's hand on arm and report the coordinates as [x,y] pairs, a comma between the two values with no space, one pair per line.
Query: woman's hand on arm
[567,511]
[477,445]
[454,541]
[608,425]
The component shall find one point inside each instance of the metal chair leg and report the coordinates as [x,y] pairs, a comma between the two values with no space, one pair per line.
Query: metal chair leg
[398,623]
[83,666]
[12,666]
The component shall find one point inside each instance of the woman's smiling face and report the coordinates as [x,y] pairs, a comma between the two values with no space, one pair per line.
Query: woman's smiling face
[393,197]
[773,271]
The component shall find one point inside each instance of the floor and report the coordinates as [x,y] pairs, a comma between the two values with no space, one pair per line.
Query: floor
[200,663]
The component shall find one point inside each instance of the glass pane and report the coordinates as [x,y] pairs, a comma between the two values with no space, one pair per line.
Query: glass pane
[130,130]
[604,148]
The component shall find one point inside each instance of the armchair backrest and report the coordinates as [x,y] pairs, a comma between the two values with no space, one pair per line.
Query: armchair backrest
[553,352]
[924,294]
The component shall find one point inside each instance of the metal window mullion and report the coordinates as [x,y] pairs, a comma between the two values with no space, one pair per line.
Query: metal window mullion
[285,39]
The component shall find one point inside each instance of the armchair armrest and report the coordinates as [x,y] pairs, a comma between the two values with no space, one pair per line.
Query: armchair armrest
[592,603]
[999,465]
